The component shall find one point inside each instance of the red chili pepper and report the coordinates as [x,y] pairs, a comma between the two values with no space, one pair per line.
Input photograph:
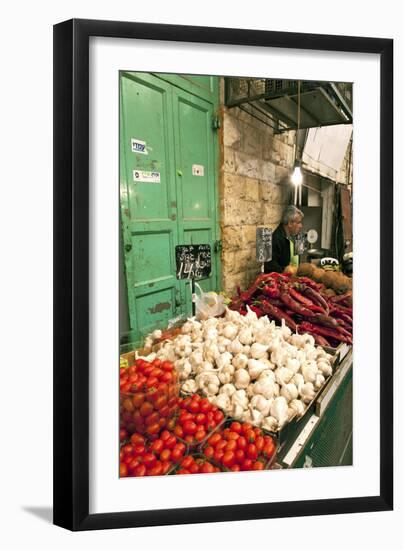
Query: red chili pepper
[321,340]
[271,290]
[315,297]
[305,301]
[324,320]
[278,314]
[336,299]
[294,305]
[325,331]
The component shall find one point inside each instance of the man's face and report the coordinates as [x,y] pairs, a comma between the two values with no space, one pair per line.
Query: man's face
[295,226]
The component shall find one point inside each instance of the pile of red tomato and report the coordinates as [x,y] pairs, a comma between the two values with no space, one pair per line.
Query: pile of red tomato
[240,447]
[197,419]
[157,428]
[142,457]
[148,397]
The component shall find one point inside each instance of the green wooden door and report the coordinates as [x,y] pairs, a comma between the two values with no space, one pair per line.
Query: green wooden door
[168,193]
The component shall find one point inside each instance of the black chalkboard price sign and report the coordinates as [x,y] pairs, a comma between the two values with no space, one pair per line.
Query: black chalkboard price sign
[193,261]
[263,244]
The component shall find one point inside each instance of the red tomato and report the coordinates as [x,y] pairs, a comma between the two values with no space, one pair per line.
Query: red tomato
[189,427]
[236,427]
[170,423]
[246,427]
[239,456]
[137,439]
[149,460]
[127,449]
[194,468]
[123,434]
[247,464]
[235,468]
[193,406]
[200,418]
[185,417]
[165,411]
[153,429]
[156,372]
[167,377]
[204,405]
[214,439]
[160,402]
[157,362]
[140,471]
[165,467]
[170,442]
[231,445]
[167,366]
[221,445]
[207,468]
[218,454]
[209,451]
[133,465]
[176,454]
[127,404]
[151,418]
[228,459]
[187,461]
[157,446]
[233,436]
[146,409]
[178,430]
[218,416]
[259,443]
[165,455]
[200,434]
[269,449]
[189,438]
[251,451]
[155,470]
[258,465]
[152,382]
[165,435]
[182,471]
[123,472]
[139,450]
[226,433]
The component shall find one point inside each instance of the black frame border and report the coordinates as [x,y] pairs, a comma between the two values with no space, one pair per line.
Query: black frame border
[71,274]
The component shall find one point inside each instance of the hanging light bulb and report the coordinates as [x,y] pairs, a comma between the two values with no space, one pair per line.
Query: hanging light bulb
[296,176]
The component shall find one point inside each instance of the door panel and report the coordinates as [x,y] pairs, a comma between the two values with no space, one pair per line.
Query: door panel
[149,208]
[173,137]
[196,179]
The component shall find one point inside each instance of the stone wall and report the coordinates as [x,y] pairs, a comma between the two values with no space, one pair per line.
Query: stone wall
[255,170]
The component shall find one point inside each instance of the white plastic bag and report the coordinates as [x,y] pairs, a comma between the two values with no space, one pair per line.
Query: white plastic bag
[208,304]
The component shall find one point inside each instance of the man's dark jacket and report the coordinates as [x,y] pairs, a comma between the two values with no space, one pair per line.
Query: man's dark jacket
[280,251]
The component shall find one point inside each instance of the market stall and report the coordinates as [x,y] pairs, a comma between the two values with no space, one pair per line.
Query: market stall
[261,382]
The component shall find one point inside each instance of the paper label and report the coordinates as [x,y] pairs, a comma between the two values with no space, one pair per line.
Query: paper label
[139,146]
[197,170]
[146,177]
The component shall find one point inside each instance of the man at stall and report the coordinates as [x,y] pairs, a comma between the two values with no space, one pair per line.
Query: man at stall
[282,241]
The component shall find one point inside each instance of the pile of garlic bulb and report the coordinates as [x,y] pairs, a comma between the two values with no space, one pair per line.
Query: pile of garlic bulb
[252,369]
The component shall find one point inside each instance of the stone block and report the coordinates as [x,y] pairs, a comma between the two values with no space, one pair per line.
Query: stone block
[267,170]
[228,161]
[271,213]
[251,188]
[252,141]
[271,192]
[246,165]
[231,133]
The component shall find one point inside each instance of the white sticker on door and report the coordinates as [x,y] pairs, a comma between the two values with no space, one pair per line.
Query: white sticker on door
[139,146]
[197,170]
[146,177]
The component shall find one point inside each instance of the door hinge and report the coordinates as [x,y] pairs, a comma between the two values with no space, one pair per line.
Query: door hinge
[217,246]
[215,122]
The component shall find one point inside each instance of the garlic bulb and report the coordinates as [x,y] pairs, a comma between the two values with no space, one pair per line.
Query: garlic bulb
[307,392]
[189,386]
[267,374]
[283,375]
[258,351]
[264,387]
[255,368]
[237,411]
[245,336]
[228,389]
[297,406]
[223,402]
[319,381]
[235,347]
[324,368]
[298,380]
[289,391]
[309,372]
[230,331]
[241,379]
[225,375]
[293,365]
[270,424]
[261,404]
[240,361]
[240,398]
[279,409]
